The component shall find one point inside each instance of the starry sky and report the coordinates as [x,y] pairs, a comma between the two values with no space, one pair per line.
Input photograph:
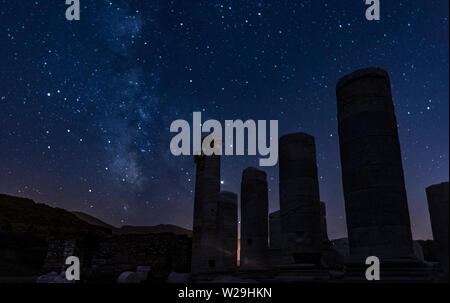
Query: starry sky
[86,106]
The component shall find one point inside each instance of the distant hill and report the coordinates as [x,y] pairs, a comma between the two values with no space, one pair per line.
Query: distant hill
[26,228]
[92,220]
[22,215]
[128,229]
[161,228]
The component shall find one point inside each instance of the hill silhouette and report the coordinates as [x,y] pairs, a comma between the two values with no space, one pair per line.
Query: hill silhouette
[26,227]
[129,229]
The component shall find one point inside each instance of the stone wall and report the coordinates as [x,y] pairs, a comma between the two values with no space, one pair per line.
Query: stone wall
[58,251]
[113,255]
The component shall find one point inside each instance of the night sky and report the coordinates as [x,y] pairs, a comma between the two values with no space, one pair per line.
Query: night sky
[85,106]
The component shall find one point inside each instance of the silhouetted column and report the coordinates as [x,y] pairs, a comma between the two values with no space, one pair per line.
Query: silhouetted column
[323,221]
[275,230]
[299,199]
[207,186]
[437,196]
[375,198]
[227,222]
[275,235]
[254,221]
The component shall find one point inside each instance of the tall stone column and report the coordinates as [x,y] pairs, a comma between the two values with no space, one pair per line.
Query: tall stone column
[299,199]
[254,219]
[207,186]
[227,222]
[372,174]
[437,196]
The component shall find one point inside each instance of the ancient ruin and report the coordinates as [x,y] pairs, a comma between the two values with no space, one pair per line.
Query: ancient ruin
[323,221]
[372,174]
[227,231]
[275,238]
[207,186]
[291,244]
[254,219]
[438,199]
[299,199]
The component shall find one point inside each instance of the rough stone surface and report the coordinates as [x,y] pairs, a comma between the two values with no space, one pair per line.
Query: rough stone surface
[158,253]
[375,198]
[438,199]
[139,276]
[254,218]
[58,251]
[207,186]
[227,222]
[128,277]
[299,199]
[176,277]
[54,277]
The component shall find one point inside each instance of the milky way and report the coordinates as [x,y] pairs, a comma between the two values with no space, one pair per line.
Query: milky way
[85,106]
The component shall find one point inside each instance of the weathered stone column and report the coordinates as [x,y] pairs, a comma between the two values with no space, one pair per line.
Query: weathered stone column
[372,174]
[254,219]
[323,221]
[299,199]
[207,186]
[227,223]
[437,196]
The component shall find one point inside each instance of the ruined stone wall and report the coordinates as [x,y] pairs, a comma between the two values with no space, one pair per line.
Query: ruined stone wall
[58,251]
[164,252]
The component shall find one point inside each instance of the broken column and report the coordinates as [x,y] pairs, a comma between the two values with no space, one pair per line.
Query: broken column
[254,223]
[299,199]
[437,196]
[323,221]
[207,186]
[227,222]
[372,174]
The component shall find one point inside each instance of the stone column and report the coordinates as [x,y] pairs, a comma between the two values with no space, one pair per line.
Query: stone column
[323,221]
[437,196]
[275,230]
[372,174]
[227,223]
[275,239]
[207,186]
[299,199]
[254,221]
